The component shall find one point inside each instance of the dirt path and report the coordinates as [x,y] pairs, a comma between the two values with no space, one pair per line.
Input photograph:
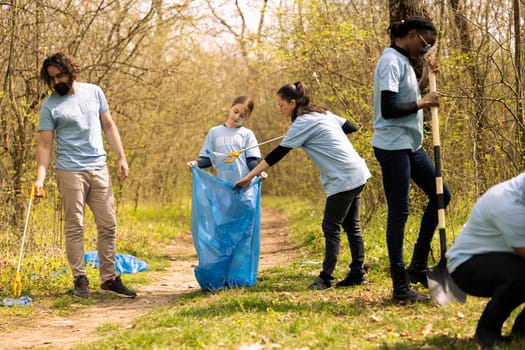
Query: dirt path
[63,332]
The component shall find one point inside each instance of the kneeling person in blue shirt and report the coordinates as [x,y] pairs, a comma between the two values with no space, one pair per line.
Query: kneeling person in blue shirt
[488,258]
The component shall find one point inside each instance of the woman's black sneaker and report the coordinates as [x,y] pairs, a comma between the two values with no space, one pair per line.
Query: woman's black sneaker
[352,280]
[488,338]
[320,284]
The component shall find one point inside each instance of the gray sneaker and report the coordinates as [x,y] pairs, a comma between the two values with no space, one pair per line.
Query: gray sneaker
[116,287]
[81,287]
[320,284]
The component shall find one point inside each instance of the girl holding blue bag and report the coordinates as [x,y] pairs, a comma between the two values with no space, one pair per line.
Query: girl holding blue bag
[226,225]
[230,137]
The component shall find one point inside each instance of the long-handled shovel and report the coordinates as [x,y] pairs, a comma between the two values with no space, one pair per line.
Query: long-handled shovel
[442,288]
[232,156]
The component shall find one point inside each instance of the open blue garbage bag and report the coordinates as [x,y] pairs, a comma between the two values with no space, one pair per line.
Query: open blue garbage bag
[226,231]
[124,263]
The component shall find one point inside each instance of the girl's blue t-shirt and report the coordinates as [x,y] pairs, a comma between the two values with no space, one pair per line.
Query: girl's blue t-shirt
[222,140]
[322,138]
[76,121]
[394,73]
[496,223]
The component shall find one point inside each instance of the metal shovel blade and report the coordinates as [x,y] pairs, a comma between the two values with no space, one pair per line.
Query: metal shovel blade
[441,286]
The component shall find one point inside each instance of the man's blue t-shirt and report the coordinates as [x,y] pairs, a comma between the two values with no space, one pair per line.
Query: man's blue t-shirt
[323,140]
[76,121]
[394,73]
[496,223]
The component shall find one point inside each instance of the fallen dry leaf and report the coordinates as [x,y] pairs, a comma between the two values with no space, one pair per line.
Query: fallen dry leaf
[375,318]
[426,330]
[255,346]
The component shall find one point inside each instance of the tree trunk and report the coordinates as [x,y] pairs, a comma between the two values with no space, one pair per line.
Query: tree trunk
[478,93]
[519,84]
[401,9]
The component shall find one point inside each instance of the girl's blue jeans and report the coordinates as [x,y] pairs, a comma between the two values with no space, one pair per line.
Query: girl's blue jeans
[398,168]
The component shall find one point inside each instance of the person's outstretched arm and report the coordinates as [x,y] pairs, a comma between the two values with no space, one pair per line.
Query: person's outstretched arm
[245,181]
[348,127]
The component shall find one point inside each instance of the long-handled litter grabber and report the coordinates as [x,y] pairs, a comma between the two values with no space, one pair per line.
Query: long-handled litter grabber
[17,284]
[232,156]
[441,286]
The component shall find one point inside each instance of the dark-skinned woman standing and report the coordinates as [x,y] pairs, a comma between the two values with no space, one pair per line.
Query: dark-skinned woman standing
[397,142]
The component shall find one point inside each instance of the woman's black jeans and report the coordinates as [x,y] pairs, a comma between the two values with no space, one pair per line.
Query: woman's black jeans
[398,167]
[501,277]
[342,210]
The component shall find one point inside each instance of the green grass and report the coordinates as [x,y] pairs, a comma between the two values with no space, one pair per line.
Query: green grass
[279,312]
[141,233]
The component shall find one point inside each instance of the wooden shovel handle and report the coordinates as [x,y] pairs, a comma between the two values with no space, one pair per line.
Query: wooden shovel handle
[437,161]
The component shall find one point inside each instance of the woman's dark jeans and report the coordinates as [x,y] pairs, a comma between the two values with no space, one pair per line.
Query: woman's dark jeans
[342,210]
[398,167]
[501,277]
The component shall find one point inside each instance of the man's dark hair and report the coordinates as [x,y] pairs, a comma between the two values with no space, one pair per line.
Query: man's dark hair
[66,63]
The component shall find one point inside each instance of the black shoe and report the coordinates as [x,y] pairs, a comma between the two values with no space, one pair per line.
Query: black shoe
[116,287]
[320,284]
[81,287]
[417,276]
[409,296]
[352,280]
[518,328]
[488,338]
[403,294]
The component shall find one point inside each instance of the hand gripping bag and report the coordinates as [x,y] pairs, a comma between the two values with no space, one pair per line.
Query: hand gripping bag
[226,231]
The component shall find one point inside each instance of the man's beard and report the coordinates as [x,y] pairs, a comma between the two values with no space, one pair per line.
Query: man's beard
[63,88]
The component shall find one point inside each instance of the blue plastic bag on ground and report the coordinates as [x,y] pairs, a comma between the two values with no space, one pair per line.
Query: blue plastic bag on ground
[225,226]
[124,263]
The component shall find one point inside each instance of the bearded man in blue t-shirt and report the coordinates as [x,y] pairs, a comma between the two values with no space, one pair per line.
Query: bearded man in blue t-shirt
[77,113]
